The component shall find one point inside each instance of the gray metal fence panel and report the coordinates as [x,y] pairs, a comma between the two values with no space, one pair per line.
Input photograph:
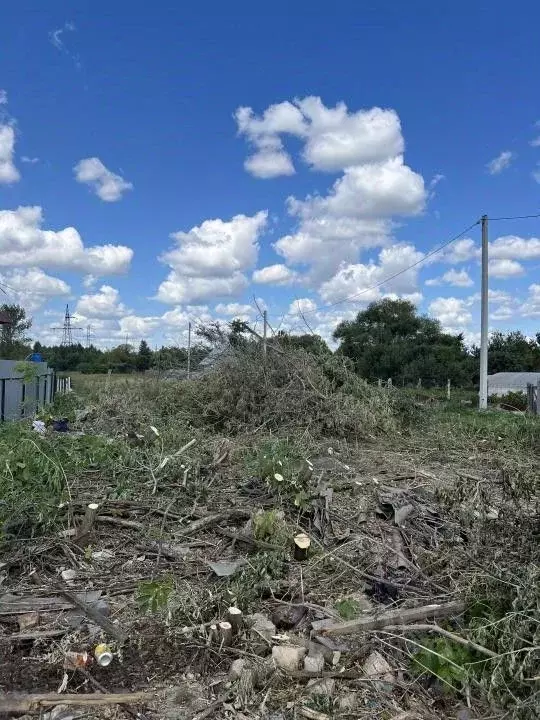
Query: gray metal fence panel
[20,398]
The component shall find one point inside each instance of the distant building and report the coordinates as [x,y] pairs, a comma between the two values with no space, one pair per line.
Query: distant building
[505,382]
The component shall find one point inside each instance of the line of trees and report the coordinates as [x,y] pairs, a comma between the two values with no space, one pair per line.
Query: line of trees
[388,339]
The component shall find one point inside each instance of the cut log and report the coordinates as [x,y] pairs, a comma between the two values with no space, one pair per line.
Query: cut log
[301,546]
[236,619]
[396,617]
[20,702]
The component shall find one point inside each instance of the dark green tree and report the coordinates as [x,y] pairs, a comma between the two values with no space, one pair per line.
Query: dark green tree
[390,340]
[144,357]
[14,342]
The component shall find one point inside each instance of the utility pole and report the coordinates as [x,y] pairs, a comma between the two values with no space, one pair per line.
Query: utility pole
[189,350]
[483,393]
[265,324]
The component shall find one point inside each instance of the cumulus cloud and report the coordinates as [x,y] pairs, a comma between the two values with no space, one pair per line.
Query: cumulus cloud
[234,309]
[500,163]
[24,243]
[334,138]
[32,288]
[103,304]
[354,215]
[531,306]
[8,172]
[453,313]
[460,251]
[106,185]
[514,247]
[458,278]
[359,279]
[274,275]
[505,268]
[210,260]
[366,146]
[3,97]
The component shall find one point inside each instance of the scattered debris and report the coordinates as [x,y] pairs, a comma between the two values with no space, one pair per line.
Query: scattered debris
[103,655]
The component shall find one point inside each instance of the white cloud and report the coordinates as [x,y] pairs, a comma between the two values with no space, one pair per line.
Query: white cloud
[103,304]
[301,306]
[531,306]
[375,184]
[89,281]
[234,309]
[435,180]
[24,243]
[358,279]
[535,142]
[353,216]
[3,97]
[274,275]
[32,288]
[460,251]
[29,160]
[210,260]
[514,247]
[337,139]
[457,278]
[500,163]
[452,312]
[334,137]
[505,268]
[180,289]
[55,36]
[269,163]
[106,185]
[8,172]
[135,326]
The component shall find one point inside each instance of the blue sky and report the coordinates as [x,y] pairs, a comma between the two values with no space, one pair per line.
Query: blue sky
[166,165]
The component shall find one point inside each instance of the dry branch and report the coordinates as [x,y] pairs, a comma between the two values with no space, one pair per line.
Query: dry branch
[19,702]
[38,635]
[88,610]
[208,520]
[426,627]
[396,617]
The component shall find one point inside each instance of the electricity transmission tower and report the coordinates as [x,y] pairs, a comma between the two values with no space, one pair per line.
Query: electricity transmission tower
[67,329]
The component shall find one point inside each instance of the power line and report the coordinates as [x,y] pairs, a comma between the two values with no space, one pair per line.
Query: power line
[391,277]
[515,217]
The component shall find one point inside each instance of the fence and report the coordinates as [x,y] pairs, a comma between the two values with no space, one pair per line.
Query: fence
[533,398]
[23,390]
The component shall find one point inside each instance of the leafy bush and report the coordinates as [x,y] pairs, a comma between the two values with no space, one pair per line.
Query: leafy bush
[513,400]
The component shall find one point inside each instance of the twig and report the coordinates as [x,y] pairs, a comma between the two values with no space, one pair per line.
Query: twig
[21,702]
[38,635]
[402,617]
[132,524]
[426,627]
[208,520]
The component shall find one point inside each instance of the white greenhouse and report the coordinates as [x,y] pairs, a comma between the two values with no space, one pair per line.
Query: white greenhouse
[505,382]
